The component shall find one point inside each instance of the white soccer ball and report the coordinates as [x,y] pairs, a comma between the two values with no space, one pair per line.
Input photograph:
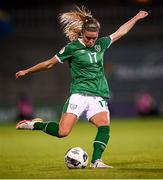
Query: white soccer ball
[76,158]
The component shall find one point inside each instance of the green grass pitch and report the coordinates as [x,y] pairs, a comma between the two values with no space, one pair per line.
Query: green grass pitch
[135,150]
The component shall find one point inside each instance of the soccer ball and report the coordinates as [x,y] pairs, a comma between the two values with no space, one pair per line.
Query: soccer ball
[76,158]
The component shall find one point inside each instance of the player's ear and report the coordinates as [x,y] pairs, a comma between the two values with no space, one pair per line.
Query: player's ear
[82,32]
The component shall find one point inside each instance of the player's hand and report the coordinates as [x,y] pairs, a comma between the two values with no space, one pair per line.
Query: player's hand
[142,14]
[21,73]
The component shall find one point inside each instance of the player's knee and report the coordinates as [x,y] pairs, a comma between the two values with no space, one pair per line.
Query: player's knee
[104,122]
[62,135]
[63,132]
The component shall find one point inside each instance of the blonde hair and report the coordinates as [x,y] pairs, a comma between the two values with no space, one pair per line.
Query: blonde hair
[74,22]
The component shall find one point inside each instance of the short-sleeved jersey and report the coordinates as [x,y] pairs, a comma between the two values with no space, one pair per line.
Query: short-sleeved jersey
[86,66]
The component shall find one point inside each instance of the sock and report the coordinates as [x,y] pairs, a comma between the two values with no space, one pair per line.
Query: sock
[51,128]
[100,142]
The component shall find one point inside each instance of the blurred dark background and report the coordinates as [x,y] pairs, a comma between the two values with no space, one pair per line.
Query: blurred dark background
[30,33]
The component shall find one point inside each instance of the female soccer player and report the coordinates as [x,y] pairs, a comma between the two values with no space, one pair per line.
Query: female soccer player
[89,89]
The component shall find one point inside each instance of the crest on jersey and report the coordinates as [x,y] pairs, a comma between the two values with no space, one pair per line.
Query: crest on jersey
[62,51]
[98,48]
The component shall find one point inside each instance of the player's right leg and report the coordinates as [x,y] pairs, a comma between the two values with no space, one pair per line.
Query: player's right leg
[72,109]
[59,130]
[28,124]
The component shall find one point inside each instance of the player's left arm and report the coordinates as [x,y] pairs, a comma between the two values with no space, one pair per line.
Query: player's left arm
[126,27]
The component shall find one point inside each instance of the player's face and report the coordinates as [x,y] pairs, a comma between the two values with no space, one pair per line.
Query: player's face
[89,38]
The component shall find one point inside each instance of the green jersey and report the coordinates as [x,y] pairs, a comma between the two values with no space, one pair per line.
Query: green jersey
[86,66]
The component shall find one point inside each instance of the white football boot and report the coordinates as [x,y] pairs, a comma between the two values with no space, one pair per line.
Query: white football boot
[27,124]
[99,164]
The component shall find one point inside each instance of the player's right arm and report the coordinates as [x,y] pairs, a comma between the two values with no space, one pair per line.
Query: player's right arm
[43,66]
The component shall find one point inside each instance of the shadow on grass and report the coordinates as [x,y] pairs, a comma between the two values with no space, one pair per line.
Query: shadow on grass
[152,170]
[122,166]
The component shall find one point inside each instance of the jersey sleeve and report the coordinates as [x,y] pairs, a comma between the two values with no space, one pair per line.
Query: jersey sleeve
[106,42]
[64,54]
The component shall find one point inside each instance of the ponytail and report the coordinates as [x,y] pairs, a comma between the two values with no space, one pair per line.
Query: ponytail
[74,22]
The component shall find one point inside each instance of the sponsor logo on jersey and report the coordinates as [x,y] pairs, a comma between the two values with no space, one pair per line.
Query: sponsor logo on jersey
[82,51]
[73,106]
[98,48]
[62,51]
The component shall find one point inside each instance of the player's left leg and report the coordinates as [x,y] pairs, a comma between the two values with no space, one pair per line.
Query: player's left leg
[102,122]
